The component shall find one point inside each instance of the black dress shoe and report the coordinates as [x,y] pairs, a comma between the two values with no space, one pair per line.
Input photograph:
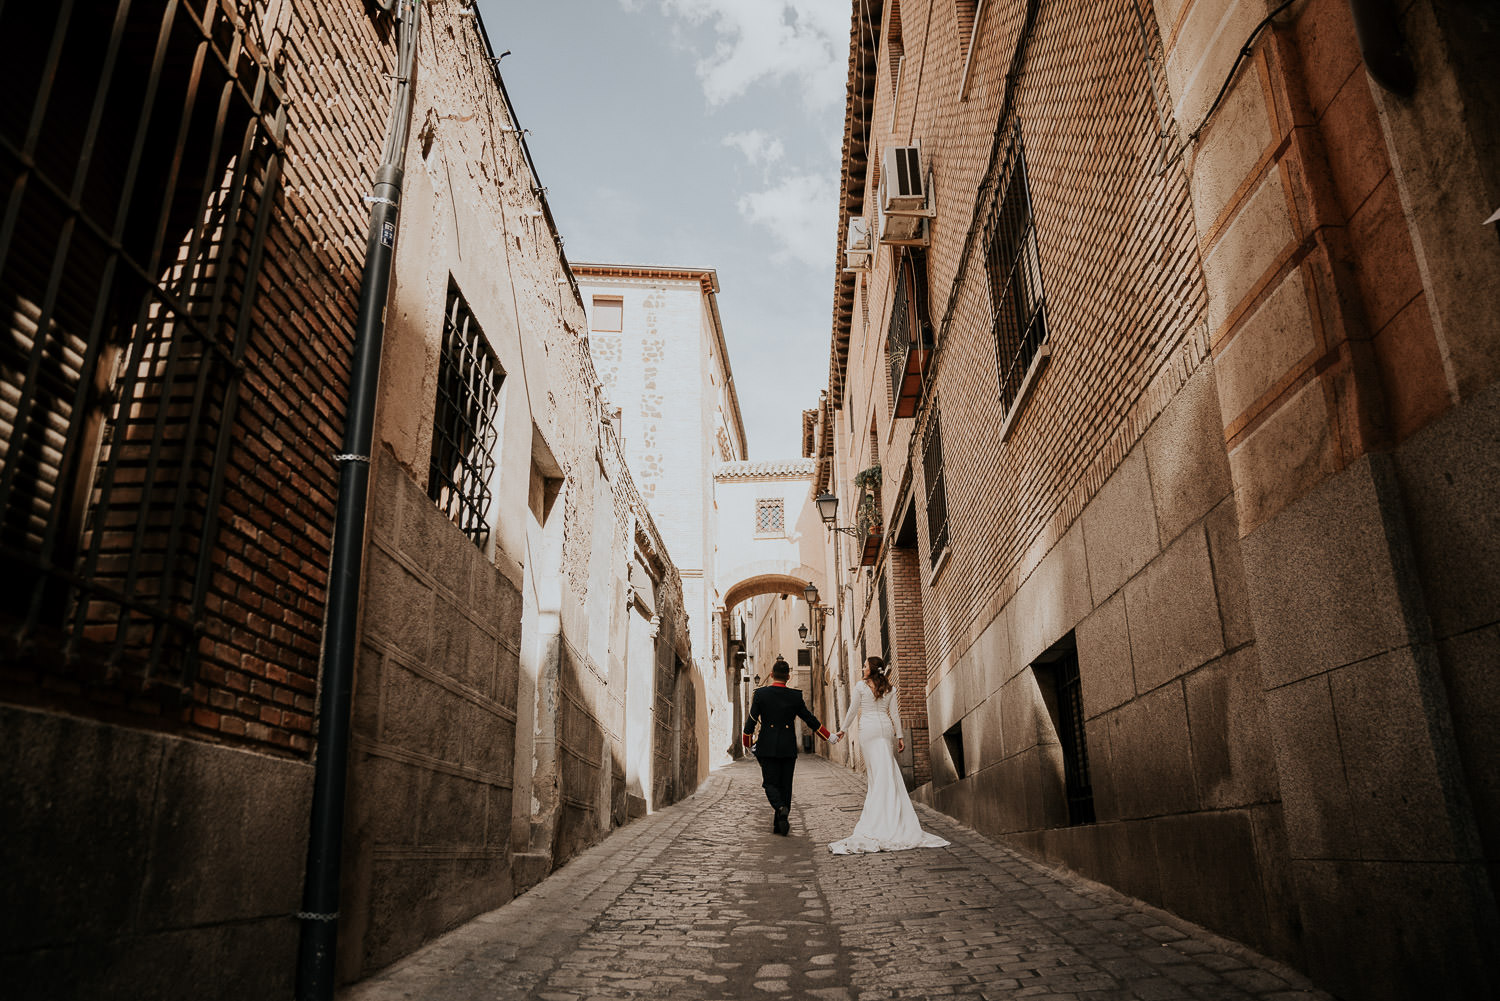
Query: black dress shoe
[783,823]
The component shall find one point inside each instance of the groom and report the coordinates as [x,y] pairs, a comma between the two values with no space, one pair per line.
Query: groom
[774,707]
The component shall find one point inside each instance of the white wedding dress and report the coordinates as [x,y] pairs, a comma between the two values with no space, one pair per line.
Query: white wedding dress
[887,823]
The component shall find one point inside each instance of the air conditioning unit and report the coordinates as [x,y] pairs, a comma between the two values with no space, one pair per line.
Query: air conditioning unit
[858,253]
[901,187]
[904,206]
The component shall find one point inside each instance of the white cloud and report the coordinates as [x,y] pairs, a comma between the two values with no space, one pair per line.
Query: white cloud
[799,213]
[804,41]
[758,146]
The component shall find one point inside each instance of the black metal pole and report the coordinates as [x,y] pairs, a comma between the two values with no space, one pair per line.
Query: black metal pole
[320,897]
[318,945]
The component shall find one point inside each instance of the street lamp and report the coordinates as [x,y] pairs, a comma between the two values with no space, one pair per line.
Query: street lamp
[828,510]
[810,593]
[802,632]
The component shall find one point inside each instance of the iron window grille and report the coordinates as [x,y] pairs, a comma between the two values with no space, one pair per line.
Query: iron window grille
[464,432]
[909,340]
[140,161]
[1070,733]
[932,478]
[887,652]
[1015,274]
[770,516]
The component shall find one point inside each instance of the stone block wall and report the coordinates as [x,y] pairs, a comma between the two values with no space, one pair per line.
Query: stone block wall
[1149,584]
[428,823]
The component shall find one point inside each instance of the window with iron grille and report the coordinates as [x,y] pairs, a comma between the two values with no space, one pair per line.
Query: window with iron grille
[804,658]
[887,652]
[1066,708]
[932,478]
[770,516]
[140,185]
[464,430]
[909,340]
[1015,276]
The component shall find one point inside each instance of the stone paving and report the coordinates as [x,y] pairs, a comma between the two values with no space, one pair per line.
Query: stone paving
[701,902]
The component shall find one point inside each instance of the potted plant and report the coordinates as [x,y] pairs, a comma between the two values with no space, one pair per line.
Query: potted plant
[867,511]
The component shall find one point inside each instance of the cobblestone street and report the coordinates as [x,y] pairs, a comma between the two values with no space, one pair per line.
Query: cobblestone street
[701,901]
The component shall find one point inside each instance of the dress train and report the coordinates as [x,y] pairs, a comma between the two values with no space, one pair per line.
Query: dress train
[888,822]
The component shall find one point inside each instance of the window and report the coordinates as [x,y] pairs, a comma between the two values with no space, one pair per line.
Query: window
[887,652]
[129,264]
[1015,284]
[908,342]
[937,501]
[608,314]
[953,739]
[770,516]
[804,657]
[1057,677]
[464,432]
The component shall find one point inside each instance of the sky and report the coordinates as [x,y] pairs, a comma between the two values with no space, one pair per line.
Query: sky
[698,133]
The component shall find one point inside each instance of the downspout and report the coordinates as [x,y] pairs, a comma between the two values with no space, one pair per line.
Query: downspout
[318,942]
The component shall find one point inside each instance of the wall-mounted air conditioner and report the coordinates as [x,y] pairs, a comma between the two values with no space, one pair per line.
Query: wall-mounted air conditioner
[904,196]
[858,251]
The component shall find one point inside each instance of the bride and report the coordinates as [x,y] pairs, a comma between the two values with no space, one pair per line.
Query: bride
[887,823]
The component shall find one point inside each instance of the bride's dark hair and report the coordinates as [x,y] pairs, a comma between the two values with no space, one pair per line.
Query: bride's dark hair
[880,675]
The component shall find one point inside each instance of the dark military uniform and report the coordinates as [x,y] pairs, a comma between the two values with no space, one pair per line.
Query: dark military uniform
[774,708]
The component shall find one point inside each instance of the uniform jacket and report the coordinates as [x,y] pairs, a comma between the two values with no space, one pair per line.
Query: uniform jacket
[774,707]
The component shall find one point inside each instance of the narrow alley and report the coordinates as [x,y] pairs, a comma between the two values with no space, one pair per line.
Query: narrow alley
[701,901]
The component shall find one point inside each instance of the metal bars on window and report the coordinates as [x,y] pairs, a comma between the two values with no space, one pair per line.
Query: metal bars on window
[909,340]
[139,161]
[898,337]
[1070,732]
[887,652]
[932,478]
[1015,274]
[464,431]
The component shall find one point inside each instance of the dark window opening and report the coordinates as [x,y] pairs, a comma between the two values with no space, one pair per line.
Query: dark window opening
[1057,675]
[140,182]
[1015,273]
[953,739]
[464,432]
[887,652]
[804,658]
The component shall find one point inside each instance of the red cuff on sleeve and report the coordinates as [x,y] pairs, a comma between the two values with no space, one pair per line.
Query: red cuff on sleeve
[746,738]
[823,732]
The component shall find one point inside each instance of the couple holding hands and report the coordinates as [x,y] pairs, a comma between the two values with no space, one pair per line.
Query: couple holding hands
[887,823]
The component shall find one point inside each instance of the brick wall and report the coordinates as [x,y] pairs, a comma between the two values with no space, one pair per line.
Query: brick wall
[1118,258]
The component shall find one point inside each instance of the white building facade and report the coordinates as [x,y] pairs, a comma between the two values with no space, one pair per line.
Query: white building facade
[659,351]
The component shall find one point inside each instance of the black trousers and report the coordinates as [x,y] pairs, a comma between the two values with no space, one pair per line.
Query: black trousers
[776,779]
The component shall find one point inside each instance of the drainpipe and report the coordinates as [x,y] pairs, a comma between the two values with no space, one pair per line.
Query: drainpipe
[317,946]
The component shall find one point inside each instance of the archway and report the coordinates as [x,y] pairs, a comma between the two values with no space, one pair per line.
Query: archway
[746,636]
